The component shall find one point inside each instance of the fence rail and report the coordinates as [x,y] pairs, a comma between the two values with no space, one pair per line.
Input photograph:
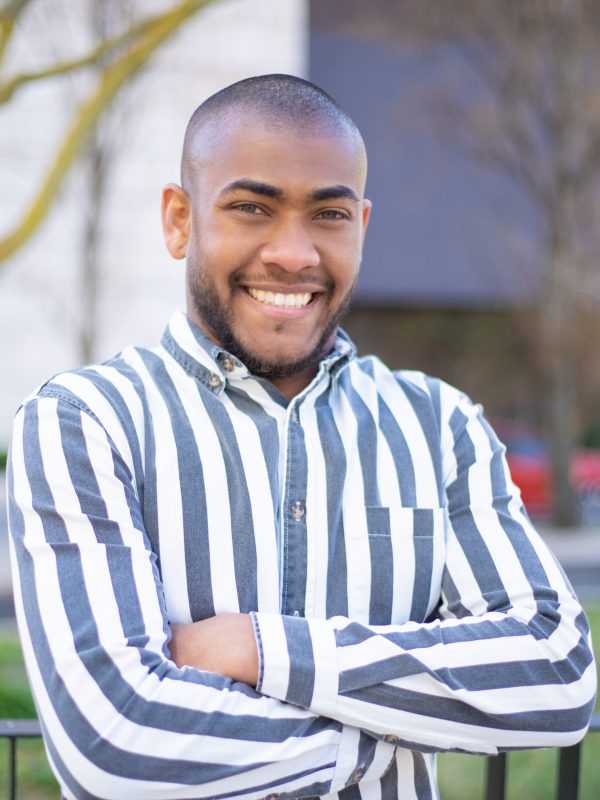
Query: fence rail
[13,730]
[567,787]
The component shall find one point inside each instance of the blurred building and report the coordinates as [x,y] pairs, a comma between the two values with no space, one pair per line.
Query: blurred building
[439,234]
[451,247]
[436,240]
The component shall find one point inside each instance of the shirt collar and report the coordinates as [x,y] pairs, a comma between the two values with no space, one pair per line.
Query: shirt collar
[214,366]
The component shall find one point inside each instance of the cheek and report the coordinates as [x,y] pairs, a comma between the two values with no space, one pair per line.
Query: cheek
[341,254]
[223,256]
[344,270]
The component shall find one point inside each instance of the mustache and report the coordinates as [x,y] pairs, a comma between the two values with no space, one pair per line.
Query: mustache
[267,277]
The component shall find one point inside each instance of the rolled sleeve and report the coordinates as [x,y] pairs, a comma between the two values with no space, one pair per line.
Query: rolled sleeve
[297,661]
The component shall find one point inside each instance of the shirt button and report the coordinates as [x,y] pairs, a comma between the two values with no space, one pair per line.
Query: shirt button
[357,775]
[298,510]
[214,381]
[228,365]
[391,738]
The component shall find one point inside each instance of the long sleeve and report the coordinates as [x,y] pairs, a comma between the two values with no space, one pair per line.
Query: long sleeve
[504,662]
[119,718]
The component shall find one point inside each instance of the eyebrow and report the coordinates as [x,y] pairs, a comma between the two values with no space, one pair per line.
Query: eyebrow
[336,192]
[256,187]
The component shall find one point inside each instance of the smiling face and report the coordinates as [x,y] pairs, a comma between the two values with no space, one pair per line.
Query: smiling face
[272,227]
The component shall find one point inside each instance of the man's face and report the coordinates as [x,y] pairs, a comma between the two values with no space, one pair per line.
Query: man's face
[276,227]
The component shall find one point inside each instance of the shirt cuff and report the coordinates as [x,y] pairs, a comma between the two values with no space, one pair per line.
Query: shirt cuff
[298,664]
[297,661]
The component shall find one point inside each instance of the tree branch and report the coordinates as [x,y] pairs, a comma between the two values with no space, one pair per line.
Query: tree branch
[9,15]
[111,81]
[95,55]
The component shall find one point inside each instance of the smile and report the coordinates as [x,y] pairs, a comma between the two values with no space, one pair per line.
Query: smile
[279,299]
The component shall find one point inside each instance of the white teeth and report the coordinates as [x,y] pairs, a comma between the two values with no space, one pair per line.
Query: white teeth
[279,299]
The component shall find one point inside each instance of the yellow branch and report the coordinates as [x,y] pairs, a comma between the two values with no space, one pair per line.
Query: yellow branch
[9,14]
[111,81]
[8,88]
[6,29]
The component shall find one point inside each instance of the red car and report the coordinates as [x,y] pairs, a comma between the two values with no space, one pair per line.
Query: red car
[529,462]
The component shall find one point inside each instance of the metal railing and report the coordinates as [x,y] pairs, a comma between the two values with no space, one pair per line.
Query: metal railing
[567,787]
[13,730]
[568,761]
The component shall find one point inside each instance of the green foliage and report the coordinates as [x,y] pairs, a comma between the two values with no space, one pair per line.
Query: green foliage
[3,459]
[34,777]
[593,614]
[35,780]
[531,774]
[16,703]
[591,438]
[15,697]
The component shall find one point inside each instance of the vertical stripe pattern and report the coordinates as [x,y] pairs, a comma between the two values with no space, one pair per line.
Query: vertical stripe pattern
[402,602]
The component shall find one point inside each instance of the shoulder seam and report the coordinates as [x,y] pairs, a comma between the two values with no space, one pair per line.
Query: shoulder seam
[70,399]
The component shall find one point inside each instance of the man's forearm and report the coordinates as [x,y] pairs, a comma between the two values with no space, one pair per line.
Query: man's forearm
[224,644]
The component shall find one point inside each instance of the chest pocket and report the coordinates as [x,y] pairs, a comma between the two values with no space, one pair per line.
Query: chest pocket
[406,547]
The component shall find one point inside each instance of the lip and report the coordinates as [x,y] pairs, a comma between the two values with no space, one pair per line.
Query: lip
[286,288]
[284,312]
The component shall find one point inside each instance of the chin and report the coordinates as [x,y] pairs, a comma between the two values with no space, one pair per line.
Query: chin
[278,364]
[281,355]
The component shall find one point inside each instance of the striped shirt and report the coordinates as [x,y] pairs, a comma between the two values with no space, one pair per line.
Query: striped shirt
[401,600]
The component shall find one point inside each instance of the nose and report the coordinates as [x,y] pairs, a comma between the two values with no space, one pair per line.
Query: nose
[290,247]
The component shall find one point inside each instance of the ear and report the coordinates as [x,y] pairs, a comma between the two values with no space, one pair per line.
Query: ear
[176,210]
[366,215]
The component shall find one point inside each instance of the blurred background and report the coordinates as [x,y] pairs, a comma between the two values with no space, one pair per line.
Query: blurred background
[482,124]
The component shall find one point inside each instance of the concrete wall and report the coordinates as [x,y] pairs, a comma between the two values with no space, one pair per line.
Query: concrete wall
[40,295]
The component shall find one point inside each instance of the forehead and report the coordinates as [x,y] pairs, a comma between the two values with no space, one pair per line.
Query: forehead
[289,157]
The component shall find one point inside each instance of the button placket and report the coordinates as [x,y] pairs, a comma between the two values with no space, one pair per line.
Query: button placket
[294,542]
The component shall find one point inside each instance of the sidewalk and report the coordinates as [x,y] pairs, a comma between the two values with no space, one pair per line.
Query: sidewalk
[574,547]
[578,550]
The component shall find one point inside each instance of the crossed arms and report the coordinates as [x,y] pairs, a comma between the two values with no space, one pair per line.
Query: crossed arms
[224,644]
[332,698]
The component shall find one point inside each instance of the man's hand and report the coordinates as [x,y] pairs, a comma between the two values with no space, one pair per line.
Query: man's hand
[225,644]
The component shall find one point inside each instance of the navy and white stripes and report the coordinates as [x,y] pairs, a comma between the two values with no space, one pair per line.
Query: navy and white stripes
[402,602]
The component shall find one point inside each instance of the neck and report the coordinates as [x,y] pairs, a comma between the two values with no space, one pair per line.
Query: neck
[292,385]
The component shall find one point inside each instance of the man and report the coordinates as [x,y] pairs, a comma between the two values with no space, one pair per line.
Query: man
[249,564]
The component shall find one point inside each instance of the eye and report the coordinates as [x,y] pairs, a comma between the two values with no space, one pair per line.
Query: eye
[332,214]
[248,208]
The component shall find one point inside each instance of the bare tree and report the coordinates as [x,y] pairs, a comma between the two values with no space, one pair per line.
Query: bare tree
[540,127]
[524,102]
[98,159]
[119,56]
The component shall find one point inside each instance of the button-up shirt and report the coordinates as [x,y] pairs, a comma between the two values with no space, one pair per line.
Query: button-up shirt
[402,602]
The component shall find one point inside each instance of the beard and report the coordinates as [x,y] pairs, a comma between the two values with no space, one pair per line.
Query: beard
[218,319]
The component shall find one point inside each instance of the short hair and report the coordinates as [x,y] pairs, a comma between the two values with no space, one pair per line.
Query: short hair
[284,100]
